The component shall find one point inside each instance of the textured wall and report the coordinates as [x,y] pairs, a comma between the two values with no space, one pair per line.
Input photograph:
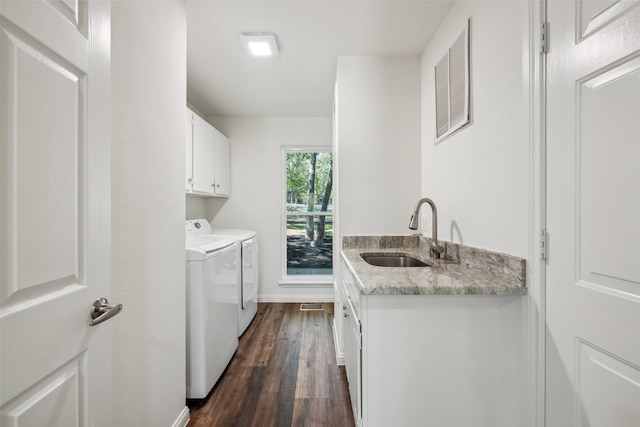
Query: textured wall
[148,210]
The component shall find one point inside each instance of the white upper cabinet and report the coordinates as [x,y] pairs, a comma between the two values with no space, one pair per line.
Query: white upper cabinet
[203,157]
[207,162]
[189,150]
[222,164]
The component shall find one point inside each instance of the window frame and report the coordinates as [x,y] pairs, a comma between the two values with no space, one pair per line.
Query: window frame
[300,280]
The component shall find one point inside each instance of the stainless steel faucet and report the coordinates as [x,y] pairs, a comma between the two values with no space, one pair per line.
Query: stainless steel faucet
[435,249]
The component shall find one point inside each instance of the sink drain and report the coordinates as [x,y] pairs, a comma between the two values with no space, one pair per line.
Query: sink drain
[311,307]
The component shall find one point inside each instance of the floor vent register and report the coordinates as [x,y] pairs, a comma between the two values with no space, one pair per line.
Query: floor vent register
[311,307]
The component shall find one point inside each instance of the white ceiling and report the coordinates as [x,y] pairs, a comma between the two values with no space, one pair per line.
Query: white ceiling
[223,80]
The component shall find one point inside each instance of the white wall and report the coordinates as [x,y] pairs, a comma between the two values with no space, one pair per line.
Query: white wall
[196,207]
[256,190]
[377,144]
[148,209]
[479,178]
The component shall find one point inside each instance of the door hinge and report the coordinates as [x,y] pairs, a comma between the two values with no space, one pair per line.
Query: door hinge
[543,244]
[544,38]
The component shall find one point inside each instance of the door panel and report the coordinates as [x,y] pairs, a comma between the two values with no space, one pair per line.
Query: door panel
[60,396]
[598,371]
[54,212]
[74,11]
[44,178]
[593,206]
[597,14]
[608,176]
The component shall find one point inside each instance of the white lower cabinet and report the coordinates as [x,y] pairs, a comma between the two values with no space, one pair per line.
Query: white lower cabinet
[353,360]
[432,360]
[339,319]
[208,159]
[352,341]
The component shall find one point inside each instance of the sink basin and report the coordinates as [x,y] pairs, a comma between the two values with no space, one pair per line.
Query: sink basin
[392,260]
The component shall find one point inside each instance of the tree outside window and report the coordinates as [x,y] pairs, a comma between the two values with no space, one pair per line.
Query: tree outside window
[308,212]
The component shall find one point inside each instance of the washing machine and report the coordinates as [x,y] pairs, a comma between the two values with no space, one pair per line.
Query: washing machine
[248,278]
[212,309]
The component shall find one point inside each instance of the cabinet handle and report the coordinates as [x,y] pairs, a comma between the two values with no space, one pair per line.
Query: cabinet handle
[346,314]
[344,307]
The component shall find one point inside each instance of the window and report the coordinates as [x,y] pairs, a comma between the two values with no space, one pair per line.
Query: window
[307,213]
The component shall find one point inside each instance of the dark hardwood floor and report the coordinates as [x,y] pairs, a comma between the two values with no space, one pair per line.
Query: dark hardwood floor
[284,373]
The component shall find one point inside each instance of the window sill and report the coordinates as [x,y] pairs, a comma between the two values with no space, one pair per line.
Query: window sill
[307,282]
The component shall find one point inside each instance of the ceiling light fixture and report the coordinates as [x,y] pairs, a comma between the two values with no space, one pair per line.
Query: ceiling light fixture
[260,45]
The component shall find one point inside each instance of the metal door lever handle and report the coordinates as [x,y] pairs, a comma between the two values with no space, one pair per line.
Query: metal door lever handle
[102,311]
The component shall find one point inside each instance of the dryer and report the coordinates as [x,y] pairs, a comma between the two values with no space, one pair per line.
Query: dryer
[212,307]
[249,277]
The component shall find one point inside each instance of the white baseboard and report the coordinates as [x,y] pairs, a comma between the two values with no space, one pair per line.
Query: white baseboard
[183,418]
[306,284]
[296,298]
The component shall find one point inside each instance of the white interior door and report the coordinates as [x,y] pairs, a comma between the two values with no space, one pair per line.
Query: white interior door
[54,212]
[593,217]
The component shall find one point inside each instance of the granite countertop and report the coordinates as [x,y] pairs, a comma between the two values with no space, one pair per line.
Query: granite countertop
[463,270]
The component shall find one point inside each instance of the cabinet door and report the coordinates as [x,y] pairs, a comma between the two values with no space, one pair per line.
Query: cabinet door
[222,165]
[203,156]
[353,347]
[339,310]
[188,140]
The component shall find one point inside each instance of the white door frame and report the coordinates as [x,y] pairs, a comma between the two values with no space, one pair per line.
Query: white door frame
[535,308]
